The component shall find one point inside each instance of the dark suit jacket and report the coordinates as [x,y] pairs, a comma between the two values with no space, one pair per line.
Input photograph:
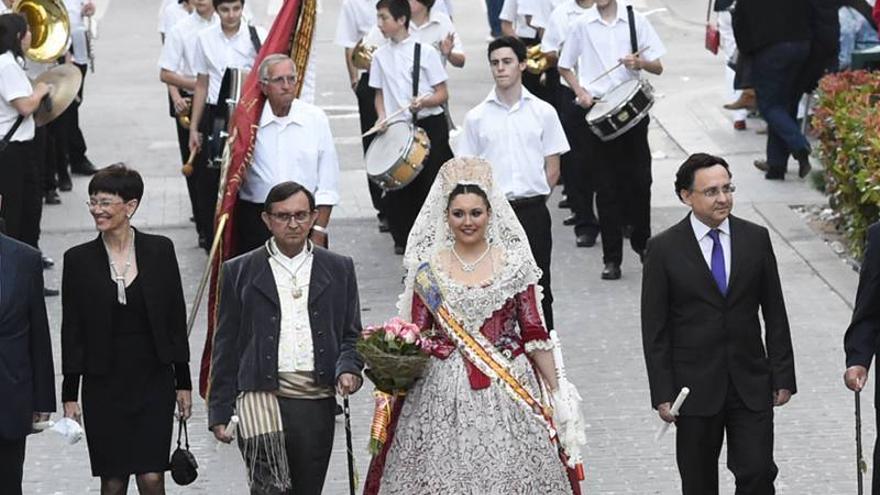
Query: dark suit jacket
[87,301]
[695,337]
[27,375]
[245,355]
[760,23]
[860,341]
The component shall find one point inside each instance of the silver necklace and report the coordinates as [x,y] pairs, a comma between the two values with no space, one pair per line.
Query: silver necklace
[469,267]
[296,292]
[119,277]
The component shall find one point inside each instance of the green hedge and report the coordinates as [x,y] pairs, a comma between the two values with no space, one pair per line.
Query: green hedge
[847,119]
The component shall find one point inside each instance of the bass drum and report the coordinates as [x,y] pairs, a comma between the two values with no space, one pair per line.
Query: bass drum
[396,156]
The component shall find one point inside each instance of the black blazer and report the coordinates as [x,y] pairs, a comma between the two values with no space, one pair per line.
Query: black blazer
[245,355]
[860,341]
[27,375]
[695,337]
[87,298]
[759,23]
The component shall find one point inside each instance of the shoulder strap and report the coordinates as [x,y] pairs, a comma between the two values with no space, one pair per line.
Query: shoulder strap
[8,137]
[417,71]
[709,11]
[255,39]
[633,40]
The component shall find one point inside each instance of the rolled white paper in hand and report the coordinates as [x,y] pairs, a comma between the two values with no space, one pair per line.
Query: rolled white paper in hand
[674,411]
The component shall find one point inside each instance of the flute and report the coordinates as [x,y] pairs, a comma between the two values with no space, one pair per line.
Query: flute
[674,411]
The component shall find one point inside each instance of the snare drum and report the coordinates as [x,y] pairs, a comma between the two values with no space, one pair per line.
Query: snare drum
[395,157]
[621,109]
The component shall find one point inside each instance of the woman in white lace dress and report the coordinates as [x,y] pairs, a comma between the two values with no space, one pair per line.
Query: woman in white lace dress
[480,420]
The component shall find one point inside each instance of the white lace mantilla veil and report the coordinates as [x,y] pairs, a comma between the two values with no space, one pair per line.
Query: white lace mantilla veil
[430,235]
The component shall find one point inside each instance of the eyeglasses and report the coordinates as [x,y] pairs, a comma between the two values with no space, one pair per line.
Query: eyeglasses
[712,192]
[94,204]
[300,217]
[281,80]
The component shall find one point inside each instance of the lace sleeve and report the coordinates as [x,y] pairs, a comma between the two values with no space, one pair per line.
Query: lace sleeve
[421,316]
[532,330]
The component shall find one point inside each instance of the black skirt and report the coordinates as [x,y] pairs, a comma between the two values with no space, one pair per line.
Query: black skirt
[129,412]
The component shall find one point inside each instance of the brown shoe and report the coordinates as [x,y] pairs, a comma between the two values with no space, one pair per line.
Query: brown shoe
[761,165]
[747,101]
[739,125]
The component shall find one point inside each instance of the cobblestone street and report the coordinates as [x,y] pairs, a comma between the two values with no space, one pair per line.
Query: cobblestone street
[597,320]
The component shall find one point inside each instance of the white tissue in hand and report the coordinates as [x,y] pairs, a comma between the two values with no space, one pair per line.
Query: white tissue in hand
[69,429]
[569,419]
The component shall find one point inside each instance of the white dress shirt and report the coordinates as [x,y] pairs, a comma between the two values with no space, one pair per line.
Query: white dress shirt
[515,140]
[511,12]
[77,30]
[598,45]
[295,346]
[558,25]
[181,43]
[170,16]
[701,232]
[217,52]
[356,19]
[14,84]
[297,147]
[540,10]
[391,71]
[434,31]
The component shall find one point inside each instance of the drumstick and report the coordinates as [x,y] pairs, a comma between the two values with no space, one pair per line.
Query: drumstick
[674,411]
[378,125]
[609,71]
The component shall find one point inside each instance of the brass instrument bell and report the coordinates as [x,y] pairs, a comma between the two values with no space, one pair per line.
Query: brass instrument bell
[536,61]
[49,26]
[362,55]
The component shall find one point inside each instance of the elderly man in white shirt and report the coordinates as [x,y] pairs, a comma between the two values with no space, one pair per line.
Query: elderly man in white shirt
[522,138]
[597,42]
[293,143]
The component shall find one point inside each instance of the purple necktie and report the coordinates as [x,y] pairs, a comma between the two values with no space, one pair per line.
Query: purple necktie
[719,273]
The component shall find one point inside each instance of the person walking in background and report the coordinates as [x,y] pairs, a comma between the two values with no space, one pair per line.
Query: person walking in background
[123,333]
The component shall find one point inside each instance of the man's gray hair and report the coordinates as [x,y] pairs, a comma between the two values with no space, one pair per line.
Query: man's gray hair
[271,60]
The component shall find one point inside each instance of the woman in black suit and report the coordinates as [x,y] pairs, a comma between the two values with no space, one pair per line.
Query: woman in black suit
[124,333]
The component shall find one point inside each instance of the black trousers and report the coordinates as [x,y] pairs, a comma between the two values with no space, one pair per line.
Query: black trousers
[749,449]
[403,205]
[623,197]
[366,98]
[76,142]
[308,434]
[534,217]
[250,230]
[21,205]
[875,481]
[578,169]
[11,465]
[206,182]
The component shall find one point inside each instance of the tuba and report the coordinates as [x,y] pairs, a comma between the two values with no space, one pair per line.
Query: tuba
[362,55]
[49,27]
[536,61]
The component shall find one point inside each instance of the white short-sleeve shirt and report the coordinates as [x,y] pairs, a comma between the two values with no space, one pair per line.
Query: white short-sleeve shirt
[434,31]
[181,43]
[77,30]
[297,147]
[512,12]
[540,10]
[356,19]
[14,84]
[391,71]
[515,140]
[217,52]
[558,25]
[598,45]
[169,18]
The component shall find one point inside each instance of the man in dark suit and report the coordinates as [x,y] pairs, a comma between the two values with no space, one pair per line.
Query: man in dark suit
[860,341]
[289,317]
[705,281]
[27,376]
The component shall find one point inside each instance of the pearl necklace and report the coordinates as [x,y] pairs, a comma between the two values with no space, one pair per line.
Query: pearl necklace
[470,267]
[119,277]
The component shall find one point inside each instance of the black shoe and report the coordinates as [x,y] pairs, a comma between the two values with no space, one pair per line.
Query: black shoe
[383,225]
[804,166]
[48,262]
[47,292]
[611,271]
[64,184]
[761,165]
[627,231]
[570,220]
[399,250]
[585,240]
[641,253]
[85,167]
[774,175]
[203,243]
[563,203]
[52,197]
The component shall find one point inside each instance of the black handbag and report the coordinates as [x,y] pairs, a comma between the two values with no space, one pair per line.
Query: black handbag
[184,468]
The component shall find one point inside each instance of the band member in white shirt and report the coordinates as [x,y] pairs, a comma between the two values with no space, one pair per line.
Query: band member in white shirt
[578,176]
[515,22]
[521,136]
[293,143]
[227,45]
[357,19]
[176,71]
[75,145]
[391,74]
[434,28]
[596,43]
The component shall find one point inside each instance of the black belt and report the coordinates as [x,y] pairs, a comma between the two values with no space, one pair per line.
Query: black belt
[523,202]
